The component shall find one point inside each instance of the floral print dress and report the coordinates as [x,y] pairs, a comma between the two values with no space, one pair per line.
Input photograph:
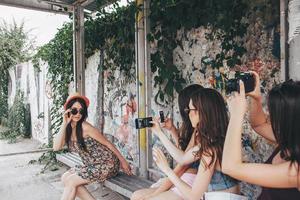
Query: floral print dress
[99,162]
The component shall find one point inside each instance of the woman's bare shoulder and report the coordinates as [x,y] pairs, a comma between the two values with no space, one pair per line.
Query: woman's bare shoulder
[87,128]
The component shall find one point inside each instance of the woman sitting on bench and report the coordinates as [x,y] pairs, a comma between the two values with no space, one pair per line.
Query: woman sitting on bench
[101,159]
[208,116]
[183,139]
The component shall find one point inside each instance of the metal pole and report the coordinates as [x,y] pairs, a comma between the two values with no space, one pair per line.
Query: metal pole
[78,49]
[141,86]
[293,13]
[284,58]
[148,79]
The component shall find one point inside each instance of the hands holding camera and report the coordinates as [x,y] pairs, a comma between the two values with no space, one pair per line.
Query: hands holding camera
[255,94]
[156,128]
[237,101]
[237,104]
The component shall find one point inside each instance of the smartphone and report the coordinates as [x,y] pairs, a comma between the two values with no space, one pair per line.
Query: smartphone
[162,116]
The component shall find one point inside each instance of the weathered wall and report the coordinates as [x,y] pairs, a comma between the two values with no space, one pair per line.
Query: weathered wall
[119,93]
[294,59]
[294,38]
[33,83]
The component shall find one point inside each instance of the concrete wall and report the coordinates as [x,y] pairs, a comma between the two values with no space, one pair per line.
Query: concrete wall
[294,39]
[91,79]
[33,83]
[294,59]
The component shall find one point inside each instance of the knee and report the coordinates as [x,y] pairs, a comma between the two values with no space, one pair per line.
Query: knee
[69,182]
[64,177]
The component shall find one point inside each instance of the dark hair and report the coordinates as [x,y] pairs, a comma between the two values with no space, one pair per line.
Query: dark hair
[284,109]
[186,130]
[212,126]
[79,135]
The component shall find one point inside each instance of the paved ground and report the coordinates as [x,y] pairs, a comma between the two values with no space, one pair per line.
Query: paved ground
[21,180]
[22,145]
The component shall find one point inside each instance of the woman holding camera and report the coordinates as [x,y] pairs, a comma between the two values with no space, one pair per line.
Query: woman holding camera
[183,139]
[279,176]
[208,116]
[101,159]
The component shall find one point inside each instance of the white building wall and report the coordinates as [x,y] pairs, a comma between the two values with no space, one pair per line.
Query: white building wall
[91,80]
[32,84]
[12,95]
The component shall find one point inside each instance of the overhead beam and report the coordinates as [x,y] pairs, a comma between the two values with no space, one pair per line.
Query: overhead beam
[40,5]
[85,3]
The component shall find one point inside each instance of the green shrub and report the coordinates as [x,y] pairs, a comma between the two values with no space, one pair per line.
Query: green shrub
[18,120]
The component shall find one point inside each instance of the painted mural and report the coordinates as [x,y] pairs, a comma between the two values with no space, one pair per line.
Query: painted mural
[120,110]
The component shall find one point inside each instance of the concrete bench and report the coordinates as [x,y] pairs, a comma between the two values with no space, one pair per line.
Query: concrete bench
[122,183]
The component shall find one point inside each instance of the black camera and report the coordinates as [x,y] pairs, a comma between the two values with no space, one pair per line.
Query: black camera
[234,85]
[143,122]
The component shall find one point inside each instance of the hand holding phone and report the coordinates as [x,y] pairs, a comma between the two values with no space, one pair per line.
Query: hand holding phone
[162,116]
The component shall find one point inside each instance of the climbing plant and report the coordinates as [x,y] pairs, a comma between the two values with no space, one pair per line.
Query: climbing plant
[18,119]
[59,56]
[226,20]
[114,33]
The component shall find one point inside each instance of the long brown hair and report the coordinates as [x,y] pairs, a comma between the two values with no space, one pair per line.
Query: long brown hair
[79,130]
[212,126]
[186,130]
[284,108]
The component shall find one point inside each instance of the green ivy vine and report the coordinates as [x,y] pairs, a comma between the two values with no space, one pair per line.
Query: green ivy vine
[58,54]
[114,34]
[224,18]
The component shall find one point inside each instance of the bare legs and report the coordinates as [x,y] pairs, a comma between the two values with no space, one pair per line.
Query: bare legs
[74,186]
[143,194]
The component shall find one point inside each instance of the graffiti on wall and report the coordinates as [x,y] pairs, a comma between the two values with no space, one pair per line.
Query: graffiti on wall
[121,110]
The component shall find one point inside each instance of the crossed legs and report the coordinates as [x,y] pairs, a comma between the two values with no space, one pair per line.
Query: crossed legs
[74,186]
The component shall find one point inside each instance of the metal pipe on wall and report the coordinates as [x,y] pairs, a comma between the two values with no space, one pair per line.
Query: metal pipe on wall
[284,56]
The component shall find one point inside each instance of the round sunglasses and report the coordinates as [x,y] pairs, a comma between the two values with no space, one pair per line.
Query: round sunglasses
[74,111]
